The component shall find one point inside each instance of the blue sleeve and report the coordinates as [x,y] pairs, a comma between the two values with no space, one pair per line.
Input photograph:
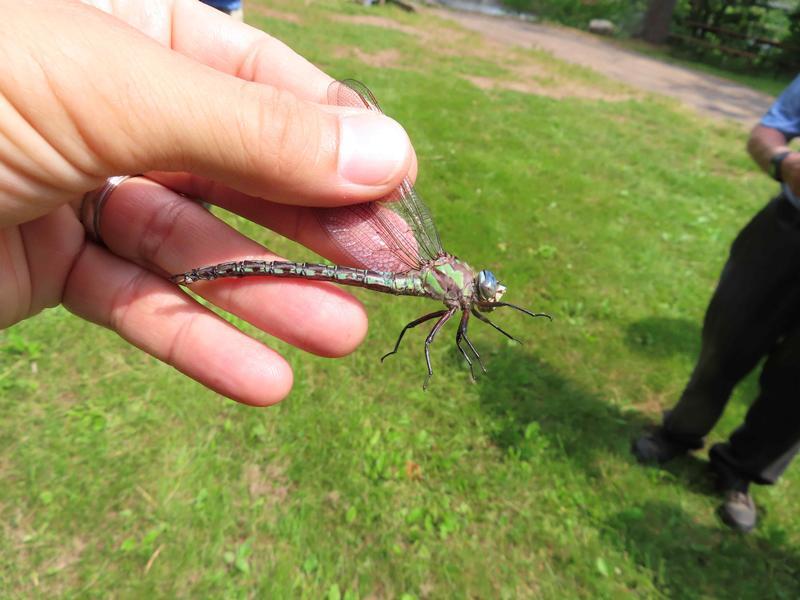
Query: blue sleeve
[784,115]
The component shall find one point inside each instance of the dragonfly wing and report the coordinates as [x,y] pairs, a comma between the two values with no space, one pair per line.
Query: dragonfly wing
[406,202]
[374,236]
[350,92]
[396,234]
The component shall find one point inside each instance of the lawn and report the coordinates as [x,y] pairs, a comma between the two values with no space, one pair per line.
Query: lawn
[606,207]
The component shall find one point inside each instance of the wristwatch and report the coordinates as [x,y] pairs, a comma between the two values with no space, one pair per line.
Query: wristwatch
[775,165]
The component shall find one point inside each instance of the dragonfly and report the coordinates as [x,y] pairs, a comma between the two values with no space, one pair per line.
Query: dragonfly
[397,242]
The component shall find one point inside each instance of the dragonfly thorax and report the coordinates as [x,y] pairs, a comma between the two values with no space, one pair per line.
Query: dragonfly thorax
[456,284]
[449,280]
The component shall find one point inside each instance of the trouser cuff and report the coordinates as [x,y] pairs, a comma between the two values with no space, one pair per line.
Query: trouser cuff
[690,441]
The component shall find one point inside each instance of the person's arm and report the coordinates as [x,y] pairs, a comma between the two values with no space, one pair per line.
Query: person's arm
[766,144]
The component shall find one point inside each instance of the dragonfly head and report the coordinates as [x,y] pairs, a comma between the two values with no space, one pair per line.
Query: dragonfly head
[489,289]
[488,298]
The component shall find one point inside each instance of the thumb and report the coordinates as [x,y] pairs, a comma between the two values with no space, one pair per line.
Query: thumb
[107,100]
[267,142]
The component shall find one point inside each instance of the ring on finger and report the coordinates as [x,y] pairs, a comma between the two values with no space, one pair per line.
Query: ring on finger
[93,203]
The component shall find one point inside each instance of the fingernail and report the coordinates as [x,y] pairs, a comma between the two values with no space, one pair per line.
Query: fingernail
[372,148]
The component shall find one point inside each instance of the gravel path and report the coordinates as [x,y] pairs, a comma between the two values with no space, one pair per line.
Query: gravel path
[708,94]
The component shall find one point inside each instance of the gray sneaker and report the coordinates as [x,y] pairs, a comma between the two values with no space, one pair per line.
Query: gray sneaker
[738,511]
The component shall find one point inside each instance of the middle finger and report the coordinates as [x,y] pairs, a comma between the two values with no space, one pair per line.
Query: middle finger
[158,228]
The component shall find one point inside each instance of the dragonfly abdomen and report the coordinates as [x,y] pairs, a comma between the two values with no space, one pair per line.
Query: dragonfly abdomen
[406,284]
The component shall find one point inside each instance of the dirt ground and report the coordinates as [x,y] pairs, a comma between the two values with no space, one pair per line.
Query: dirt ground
[708,94]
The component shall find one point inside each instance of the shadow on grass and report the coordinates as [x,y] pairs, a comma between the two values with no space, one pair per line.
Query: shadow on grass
[662,336]
[687,559]
[692,560]
[521,389]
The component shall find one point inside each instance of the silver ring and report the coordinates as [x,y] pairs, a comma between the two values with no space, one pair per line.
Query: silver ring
[93,203]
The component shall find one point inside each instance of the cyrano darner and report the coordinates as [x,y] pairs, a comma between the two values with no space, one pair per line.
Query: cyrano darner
[396,240]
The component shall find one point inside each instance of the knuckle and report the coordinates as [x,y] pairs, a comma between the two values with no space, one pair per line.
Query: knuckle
[179,342]
[288,135]
[159,229]
[124,299]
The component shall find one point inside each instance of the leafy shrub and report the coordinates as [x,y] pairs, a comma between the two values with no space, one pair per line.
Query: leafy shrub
[735,33]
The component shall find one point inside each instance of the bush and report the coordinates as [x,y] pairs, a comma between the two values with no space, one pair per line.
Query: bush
[731,33]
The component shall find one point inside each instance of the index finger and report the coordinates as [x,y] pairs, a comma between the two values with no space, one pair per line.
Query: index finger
[214,39]
[244,51]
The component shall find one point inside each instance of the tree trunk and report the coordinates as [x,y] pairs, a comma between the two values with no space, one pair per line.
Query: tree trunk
[655,28]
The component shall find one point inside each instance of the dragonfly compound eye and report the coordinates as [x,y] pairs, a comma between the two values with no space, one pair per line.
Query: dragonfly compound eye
[487,286]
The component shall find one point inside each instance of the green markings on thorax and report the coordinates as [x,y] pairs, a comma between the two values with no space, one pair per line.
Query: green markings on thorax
[448,270]
[437,279]
[431,282]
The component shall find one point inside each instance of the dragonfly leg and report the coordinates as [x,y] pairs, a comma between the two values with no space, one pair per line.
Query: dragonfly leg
[462,333]
[485,319]
[411,325]
[522,310]
[429,340]
[464,354]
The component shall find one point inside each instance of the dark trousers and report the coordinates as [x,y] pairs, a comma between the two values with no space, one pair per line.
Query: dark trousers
[754,314]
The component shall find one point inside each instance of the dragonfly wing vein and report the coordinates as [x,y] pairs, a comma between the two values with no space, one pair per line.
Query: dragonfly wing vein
[373,236]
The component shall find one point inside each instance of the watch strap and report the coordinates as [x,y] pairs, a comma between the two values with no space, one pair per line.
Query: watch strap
[775,165]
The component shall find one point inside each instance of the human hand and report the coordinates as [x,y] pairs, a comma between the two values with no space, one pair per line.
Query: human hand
[211,107]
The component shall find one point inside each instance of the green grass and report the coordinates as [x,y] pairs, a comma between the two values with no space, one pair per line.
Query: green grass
[119,477]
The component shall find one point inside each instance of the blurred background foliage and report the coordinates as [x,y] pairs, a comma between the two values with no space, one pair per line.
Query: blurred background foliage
[744,35]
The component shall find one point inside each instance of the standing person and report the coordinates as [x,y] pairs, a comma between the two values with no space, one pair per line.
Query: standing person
[754,314]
